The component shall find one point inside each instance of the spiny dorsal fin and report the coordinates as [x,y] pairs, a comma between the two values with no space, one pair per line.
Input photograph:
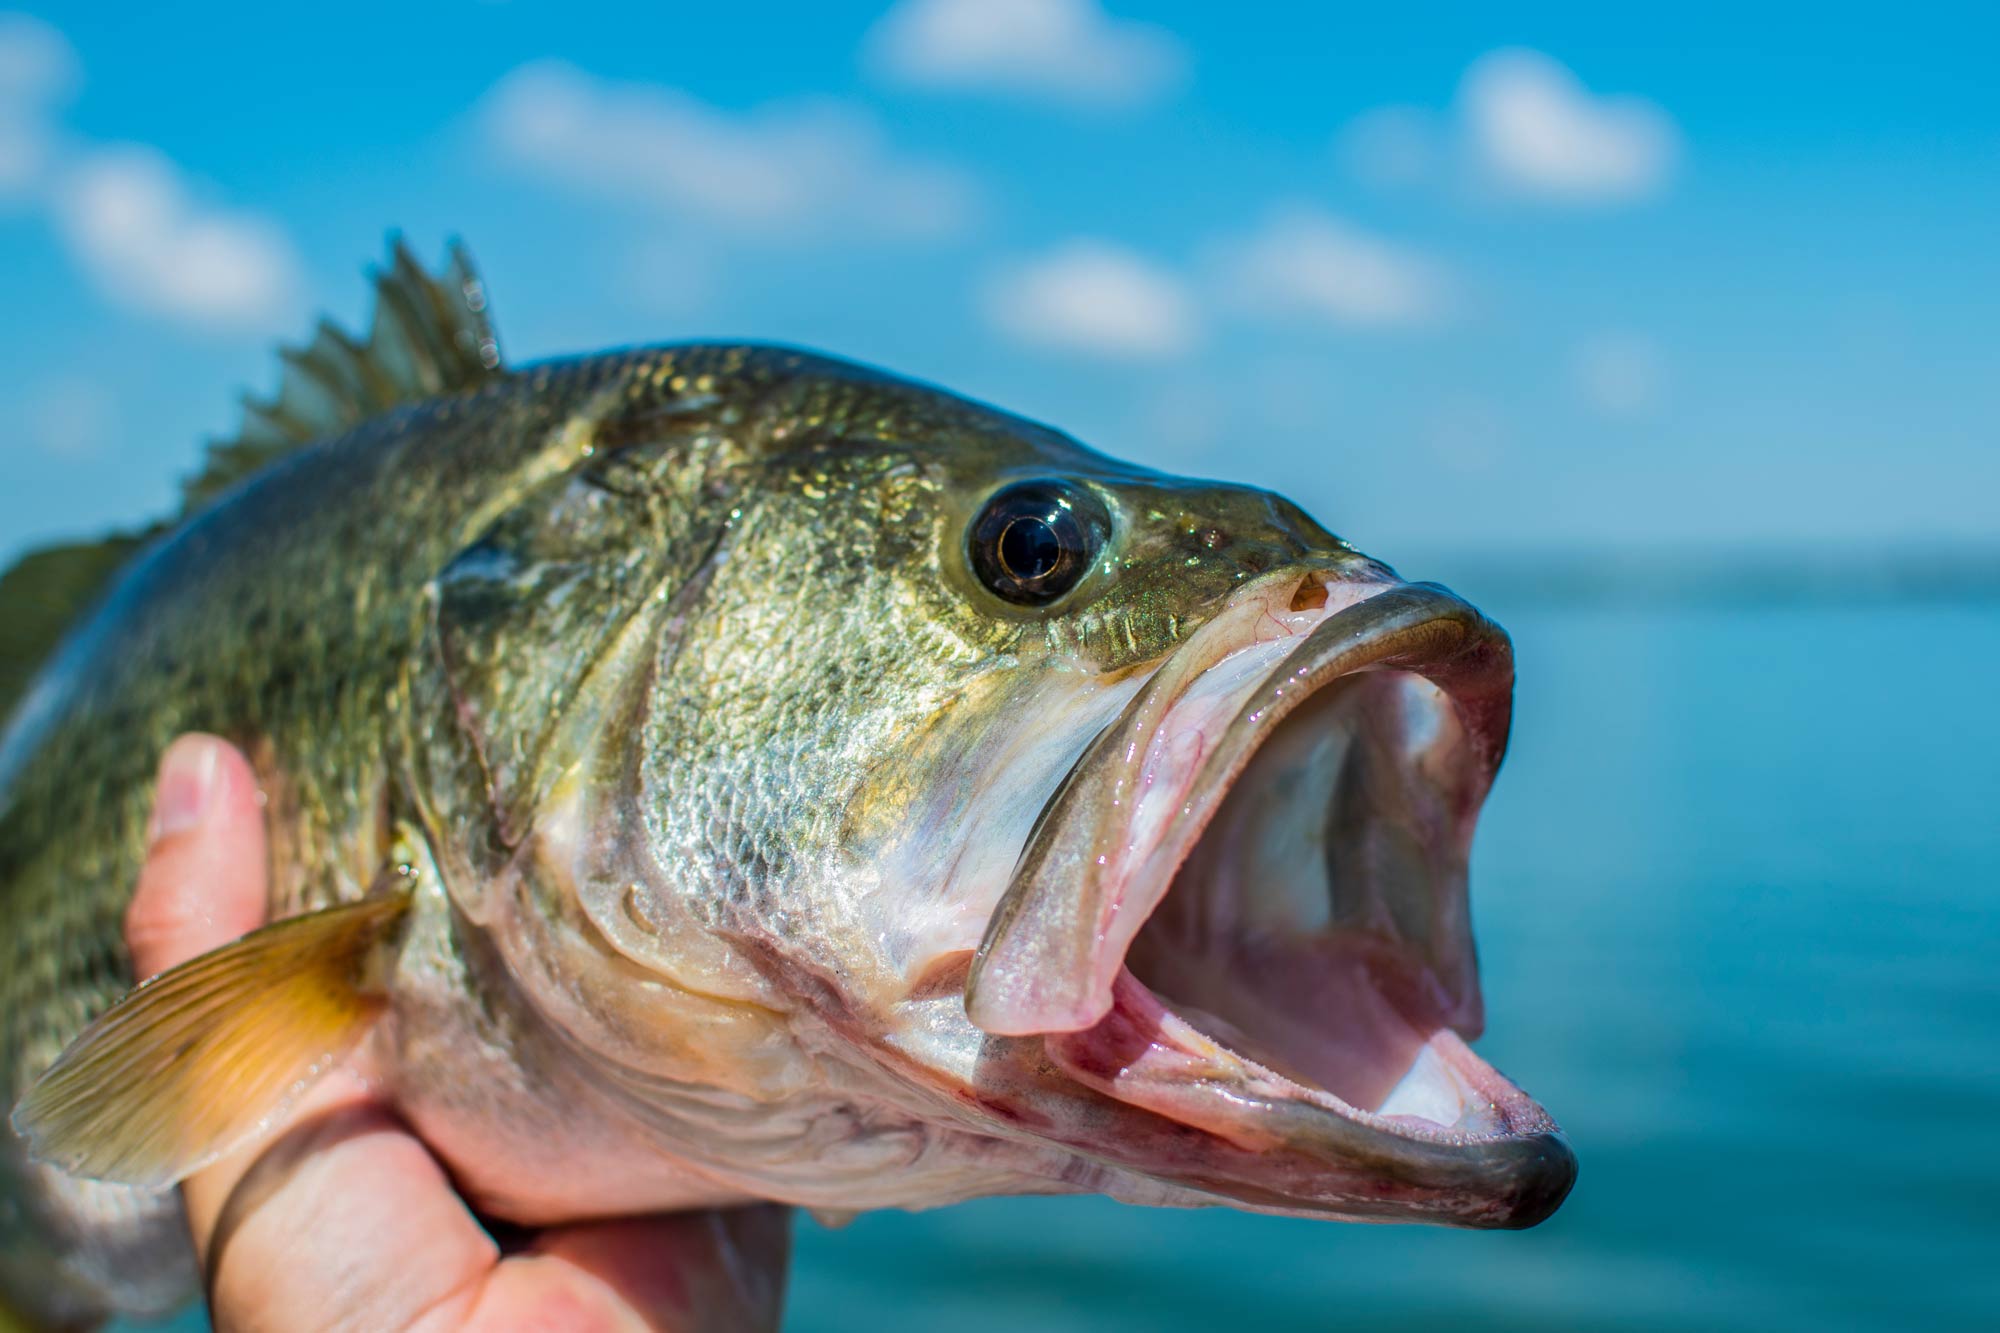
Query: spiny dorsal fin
[205,1057]
[431,336]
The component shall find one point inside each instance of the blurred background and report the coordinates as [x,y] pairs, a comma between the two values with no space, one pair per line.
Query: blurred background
[1670,338]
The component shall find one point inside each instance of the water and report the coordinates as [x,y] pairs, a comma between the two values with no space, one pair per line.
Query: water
[1738,897]
[1738,900]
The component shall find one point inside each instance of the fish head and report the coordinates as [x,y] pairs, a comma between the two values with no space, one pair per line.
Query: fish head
[1110,828]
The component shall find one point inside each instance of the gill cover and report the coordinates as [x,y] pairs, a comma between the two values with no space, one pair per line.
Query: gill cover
[560,600]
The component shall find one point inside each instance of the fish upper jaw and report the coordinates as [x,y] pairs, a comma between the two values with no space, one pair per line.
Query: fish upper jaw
[1245,911]
[1109,843]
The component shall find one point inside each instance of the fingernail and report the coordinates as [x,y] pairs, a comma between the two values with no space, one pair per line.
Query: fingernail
[187,784]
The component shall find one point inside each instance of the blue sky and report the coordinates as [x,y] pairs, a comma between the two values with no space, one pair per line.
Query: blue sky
[1455,279]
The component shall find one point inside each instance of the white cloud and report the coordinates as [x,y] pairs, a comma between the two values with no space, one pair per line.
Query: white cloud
[71,418]
[798,170]
[1306,263]
[1537,130]
[1621,375]
[127,215]
[1521,125]
[1301,264]
[38,71]
[1057,50]
[1090,296]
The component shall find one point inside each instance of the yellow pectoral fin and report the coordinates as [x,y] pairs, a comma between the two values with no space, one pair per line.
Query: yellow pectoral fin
[207,1055]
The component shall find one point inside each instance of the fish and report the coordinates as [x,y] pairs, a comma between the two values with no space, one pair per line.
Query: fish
[707,773]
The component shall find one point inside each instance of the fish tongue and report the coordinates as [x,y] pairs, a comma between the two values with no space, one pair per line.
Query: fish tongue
[1105,852]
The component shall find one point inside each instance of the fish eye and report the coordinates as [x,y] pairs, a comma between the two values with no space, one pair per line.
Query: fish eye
[1035,540]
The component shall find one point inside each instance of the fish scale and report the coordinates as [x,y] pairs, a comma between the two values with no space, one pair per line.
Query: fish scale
[286,618]
[650,769]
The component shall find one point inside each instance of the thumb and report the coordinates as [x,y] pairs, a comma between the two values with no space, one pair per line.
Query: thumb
[204,883]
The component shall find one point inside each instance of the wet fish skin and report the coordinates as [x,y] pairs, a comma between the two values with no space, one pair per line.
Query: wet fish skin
[287,618]
[471,619]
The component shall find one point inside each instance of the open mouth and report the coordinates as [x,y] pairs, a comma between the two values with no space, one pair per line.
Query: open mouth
[1246,910]
[1317,926]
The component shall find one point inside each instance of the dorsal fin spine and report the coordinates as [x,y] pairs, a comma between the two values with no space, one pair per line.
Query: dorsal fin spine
[430,335]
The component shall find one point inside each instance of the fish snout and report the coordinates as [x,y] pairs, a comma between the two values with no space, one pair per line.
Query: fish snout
[1542,1177]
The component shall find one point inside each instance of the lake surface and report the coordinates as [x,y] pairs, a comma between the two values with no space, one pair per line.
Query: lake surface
[1738,901]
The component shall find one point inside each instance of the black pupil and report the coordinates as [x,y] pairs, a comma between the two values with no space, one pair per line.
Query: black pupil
[1035,540]
[1030,548]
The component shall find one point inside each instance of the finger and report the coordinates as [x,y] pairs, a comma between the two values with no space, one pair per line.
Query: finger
[348,1222]
[203,883]
[343,1221]
[718,1269]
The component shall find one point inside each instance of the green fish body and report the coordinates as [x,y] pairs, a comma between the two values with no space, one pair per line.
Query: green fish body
[761,752]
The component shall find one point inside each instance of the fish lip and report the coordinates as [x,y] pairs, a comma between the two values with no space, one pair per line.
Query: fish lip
[1056,975]
[1281,1146]
[1064,977]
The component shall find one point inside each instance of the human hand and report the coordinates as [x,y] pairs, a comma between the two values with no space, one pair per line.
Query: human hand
[341,1218]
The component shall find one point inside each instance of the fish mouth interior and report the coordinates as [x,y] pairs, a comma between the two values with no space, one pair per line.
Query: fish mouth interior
[1318,926]
[1244,911]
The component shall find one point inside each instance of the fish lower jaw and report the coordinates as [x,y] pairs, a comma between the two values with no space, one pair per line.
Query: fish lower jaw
[1427,1131]
[1189,1109]
[1396,1076]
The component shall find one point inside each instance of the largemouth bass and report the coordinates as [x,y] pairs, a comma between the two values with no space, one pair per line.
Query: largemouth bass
[710,773]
